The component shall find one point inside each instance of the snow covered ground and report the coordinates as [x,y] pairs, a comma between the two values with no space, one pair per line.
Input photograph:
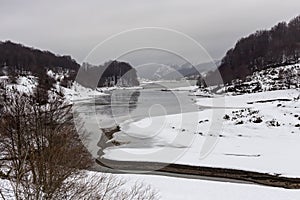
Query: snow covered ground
[169,188]
[187,88]
[273,78]
[257,132]
[178,188]
[77,92]
[23,84]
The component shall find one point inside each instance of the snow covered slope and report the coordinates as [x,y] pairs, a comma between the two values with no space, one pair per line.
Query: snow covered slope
[279,78]
[28,83]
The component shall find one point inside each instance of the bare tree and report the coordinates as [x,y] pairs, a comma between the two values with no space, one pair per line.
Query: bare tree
[43,157]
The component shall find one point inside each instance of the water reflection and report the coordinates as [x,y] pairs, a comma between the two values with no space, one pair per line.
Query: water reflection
[119,102]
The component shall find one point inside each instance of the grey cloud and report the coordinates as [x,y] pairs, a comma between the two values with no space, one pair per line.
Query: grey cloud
[75,26]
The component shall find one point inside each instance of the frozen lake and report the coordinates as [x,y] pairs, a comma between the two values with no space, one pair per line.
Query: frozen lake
[124,104]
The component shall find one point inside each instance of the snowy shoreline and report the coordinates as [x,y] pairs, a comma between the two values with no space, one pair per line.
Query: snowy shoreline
[245,143]
[197,172]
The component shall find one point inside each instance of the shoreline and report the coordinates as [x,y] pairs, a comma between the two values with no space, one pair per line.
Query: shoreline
[190,171]
[220,174]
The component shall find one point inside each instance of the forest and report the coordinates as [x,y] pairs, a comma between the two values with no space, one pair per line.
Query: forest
[264,49]
[17,59]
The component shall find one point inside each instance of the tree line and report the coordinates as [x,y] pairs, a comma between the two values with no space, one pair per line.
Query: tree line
[16,59]
[19,58]
[266,48]
[110,74]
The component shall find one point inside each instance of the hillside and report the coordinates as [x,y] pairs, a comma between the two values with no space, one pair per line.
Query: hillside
[17,59]
[21,58]
[279,78]
[110,74]
[264,49]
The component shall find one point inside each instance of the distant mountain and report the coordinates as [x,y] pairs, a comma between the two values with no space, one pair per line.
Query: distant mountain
[174,72]
[261,50]
[193,71]
[154,71]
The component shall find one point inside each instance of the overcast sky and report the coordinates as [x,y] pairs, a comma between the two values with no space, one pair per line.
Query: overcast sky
[74,27]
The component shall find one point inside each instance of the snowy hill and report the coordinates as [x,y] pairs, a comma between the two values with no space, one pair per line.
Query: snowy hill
[27,84]
[279,78]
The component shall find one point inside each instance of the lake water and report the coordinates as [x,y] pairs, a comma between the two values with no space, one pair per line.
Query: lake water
[122,105]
